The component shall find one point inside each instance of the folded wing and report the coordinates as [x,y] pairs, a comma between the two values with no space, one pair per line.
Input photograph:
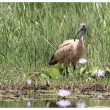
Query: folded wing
[62,52]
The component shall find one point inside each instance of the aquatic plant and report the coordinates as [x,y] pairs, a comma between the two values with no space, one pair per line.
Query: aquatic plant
[98,73]
[82,61]
[29,82]
[63,93]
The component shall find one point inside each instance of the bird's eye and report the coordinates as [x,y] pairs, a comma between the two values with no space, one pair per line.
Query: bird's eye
[84,26]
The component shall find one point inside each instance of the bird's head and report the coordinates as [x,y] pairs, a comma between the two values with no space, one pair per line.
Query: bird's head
[82,29]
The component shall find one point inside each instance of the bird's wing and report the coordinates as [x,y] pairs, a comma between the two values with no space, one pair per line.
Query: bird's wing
[61,52]
[64,49]
[65,43]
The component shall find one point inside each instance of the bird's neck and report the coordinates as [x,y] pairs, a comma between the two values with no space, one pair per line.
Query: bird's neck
[81,36]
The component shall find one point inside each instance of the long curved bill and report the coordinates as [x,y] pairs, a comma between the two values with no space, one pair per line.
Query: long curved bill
[77,34]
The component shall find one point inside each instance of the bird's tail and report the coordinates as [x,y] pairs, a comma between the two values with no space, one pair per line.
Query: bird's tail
[53,61]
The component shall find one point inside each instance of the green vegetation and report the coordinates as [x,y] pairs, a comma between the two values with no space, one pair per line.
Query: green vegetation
[30,33]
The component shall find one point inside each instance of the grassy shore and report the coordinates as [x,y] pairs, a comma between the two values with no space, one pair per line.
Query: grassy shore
[30,33]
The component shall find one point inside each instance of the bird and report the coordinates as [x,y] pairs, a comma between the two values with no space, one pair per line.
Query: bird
[70,51]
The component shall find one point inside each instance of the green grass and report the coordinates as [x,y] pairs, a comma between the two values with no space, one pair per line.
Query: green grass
[30,33]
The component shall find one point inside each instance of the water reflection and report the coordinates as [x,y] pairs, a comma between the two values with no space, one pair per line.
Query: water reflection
[66,103]
[55,103]
[28,103]
[63,103]
[81,105]
[51,100]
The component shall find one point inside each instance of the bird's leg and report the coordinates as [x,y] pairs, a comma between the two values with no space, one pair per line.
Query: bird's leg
[67,71]
[74,67]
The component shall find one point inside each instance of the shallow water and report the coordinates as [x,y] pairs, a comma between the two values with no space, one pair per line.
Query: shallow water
[50,99]
[55,102]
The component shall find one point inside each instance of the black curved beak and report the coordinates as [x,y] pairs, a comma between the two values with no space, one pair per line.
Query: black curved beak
[79,32]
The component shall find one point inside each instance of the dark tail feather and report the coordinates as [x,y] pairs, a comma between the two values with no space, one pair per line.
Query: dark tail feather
[53,61]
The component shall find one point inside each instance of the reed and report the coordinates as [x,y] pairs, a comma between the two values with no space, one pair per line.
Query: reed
[30,33]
